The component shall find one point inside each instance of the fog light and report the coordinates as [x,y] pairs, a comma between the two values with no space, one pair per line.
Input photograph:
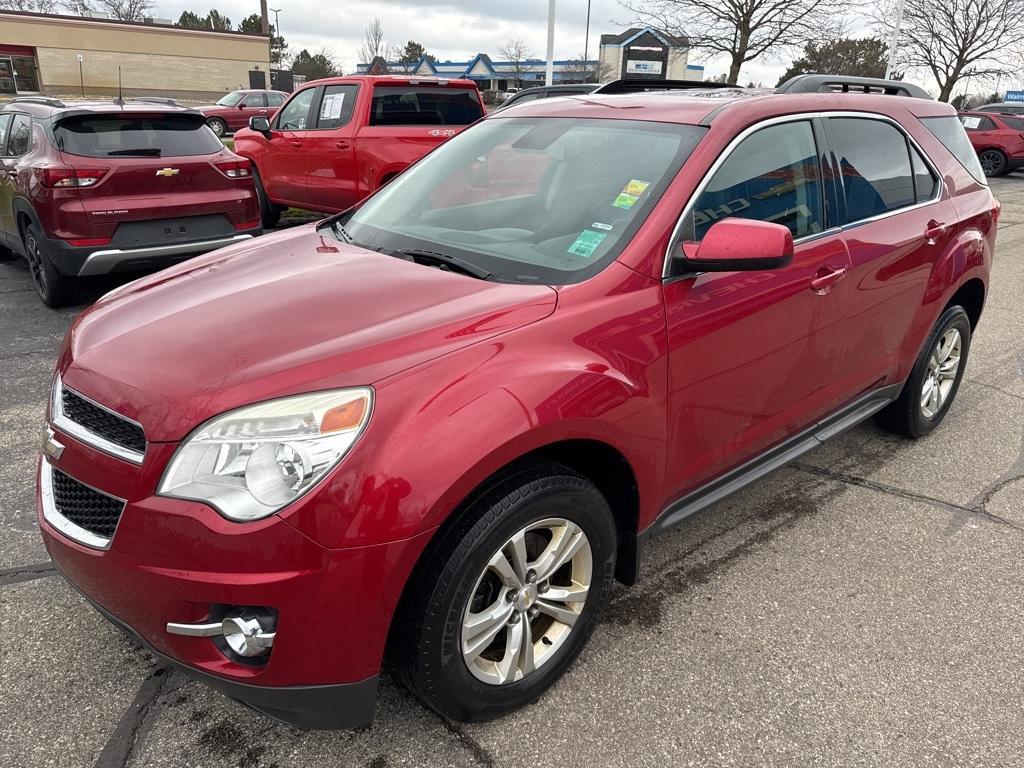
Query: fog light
[246,637]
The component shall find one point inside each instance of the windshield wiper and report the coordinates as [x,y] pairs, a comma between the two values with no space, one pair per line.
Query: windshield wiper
[140,151]
[340,232]
[453,263]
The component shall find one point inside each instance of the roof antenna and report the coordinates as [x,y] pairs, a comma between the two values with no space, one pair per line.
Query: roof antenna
[120,99]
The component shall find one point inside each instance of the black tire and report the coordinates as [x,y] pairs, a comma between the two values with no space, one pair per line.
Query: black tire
[427,655]
[54,288]
[906,416]
[218,126]
[993,162]
[270,214]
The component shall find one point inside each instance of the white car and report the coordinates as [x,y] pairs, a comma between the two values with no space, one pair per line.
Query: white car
[510,93]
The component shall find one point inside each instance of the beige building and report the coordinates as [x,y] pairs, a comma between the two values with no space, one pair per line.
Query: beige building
[64,55]
[646,53]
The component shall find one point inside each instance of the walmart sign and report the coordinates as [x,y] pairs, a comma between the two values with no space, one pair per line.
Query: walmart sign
[1015,96]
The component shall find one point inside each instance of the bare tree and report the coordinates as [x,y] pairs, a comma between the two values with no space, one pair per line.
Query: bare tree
[77,7]
[516,53]
[32,6]
[743,30]
[957,39]
[579,70]
[373,41]
[127,10]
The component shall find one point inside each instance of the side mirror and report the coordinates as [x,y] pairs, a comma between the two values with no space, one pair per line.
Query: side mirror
[260,124]
[734,245]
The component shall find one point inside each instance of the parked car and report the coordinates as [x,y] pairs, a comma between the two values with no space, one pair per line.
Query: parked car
[1003,107]
[434,433]
[337,140]
[234,110]
[998,139]
[90,188]
[547,92]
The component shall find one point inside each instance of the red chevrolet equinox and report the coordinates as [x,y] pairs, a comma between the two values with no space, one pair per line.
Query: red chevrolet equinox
[998,140]
[429,432]
[90,188]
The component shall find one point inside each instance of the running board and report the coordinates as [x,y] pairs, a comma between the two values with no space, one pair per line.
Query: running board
[756,468]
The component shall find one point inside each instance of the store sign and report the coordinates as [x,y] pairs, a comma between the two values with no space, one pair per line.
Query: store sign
[1015,96]
[635,67]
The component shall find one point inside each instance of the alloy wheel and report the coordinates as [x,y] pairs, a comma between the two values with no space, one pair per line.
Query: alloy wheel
[943,366]
[218,128]
[35,263]
[991,163]
[526,601]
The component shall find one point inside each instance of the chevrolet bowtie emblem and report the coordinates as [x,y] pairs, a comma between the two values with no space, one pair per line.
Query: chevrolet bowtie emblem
[51,447]
[168,172]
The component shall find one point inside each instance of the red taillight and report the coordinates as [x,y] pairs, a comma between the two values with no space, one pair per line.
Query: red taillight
[235,169]
[63,176]
[89,242]
[247,225]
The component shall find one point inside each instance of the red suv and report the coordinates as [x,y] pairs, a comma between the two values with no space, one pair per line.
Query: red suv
[338,140]
[433,429]
[998,140]
[233,111]
[91,188]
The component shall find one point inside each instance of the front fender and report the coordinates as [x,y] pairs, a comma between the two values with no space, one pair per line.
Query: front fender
[435,437]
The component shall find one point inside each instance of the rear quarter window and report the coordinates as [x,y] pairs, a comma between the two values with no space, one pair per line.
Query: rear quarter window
[121,135]
[950,132]
[424,106]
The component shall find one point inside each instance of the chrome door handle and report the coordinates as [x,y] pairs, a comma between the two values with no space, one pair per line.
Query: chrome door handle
[936,229]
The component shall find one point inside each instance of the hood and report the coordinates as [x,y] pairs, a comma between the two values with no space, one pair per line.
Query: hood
[291,312]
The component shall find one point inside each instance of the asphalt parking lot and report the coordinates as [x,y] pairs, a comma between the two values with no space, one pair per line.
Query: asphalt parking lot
[859,607]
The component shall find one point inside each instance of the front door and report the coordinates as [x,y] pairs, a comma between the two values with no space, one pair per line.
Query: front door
[283,168]
[251,105]
[752,355]
[331,170]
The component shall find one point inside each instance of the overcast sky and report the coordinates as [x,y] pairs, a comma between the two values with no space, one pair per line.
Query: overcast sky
[449,29]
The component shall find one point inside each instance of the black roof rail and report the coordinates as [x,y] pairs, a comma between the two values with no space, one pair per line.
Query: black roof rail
[851,84]
[49,101]
[639,86]
[156,100]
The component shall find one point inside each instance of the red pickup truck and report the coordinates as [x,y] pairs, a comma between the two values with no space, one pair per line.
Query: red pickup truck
[339,139]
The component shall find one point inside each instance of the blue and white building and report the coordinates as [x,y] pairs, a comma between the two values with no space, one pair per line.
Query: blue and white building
[488,74]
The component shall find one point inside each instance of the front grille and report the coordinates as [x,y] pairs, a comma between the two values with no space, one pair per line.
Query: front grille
[102,422]
[86,508]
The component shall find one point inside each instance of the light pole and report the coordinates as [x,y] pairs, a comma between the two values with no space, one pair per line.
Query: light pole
[895,39]
[549,74]
[277,28]
[586,41]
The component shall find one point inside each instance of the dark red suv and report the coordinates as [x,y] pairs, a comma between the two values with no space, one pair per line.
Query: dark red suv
[433,429]
[998,140]
[90,188]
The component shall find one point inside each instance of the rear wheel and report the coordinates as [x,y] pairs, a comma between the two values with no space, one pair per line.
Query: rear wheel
[993,162]
[54,288]
[270,214]
[218,126]
[510,597]
[935,379]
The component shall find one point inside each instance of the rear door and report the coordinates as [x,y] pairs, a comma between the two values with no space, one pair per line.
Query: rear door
[896,226]
[283,165]
[152,169]
[7,173]
[330,155]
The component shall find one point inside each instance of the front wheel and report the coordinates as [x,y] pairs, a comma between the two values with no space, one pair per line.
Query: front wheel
[510,597]
[218,126]
[993,162]
[935,379]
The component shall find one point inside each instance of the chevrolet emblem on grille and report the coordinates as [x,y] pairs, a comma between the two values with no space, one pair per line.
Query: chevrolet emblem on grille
[168,172]
[51,447]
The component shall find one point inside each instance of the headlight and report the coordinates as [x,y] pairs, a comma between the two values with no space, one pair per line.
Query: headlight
[251,462]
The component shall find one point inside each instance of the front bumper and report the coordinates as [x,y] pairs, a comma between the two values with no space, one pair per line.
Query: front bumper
[177,561]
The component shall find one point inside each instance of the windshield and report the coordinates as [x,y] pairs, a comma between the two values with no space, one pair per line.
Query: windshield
[231,99]
[550,200]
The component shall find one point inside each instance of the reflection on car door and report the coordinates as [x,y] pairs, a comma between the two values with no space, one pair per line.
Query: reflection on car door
[752,355]
[284,165]
[896,229]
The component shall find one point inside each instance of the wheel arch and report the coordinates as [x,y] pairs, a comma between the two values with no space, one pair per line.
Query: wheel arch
[971,296]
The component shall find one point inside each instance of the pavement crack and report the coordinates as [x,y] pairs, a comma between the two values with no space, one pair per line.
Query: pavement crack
[997,389]
[119,747]
[474,747]
[9,576]
[948,506]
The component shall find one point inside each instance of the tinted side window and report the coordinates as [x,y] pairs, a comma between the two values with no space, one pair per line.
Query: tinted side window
[925,183]
[21,136]
[424,106]
[950,132]
[875,166]
[773,175]
[1013,122]
[336,106]
[977,123]
[5,122]
[295,113]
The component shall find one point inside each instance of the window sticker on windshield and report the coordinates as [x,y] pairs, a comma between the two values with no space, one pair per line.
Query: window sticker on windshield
[629,196]
[971,123]
[599,225]
[331,107]
[587,243]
